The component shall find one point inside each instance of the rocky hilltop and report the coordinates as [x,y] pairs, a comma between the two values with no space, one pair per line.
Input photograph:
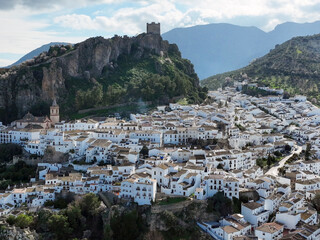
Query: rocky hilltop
[293,66]
[98,72]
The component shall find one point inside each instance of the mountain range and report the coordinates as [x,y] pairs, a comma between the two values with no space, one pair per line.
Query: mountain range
[293,66]
[218,48]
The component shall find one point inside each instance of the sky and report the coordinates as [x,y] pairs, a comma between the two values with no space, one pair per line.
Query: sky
[29,24]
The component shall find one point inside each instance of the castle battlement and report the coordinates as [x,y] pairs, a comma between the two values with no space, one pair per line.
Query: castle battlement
[153,28]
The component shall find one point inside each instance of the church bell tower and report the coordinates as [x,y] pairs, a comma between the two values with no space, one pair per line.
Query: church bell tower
[54,112]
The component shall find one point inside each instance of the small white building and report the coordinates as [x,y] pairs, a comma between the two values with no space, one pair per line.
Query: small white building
[269,231]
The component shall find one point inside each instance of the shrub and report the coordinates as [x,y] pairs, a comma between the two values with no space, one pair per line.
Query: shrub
[11,220]
[23,221]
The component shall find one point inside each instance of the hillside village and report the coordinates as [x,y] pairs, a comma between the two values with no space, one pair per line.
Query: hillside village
[234,143]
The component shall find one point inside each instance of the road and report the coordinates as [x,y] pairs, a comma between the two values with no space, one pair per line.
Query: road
[274,170]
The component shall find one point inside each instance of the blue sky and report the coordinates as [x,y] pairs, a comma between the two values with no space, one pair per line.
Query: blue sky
[28,24]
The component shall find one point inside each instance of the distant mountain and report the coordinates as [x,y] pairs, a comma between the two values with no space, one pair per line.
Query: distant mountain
[36,52]
[293,66]
[218,48]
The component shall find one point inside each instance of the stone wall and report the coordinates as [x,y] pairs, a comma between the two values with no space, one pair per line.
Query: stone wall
[174,207]
[153,28]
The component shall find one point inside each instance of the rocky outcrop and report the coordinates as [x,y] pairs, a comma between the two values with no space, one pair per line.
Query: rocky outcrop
[15,233]
[46,76]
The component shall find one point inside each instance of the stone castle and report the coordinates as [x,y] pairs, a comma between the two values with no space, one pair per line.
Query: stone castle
[153,28]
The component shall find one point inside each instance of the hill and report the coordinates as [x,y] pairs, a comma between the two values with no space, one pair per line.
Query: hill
[293,66]
[218,48]
[36,52]
[99,72]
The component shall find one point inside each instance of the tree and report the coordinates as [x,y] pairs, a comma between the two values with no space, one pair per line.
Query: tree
[11,220]
[89,204]
[41,221]
[23,221]
[60,203]
[277,153]
[8,150]
[286,95]
[287,148]
[220,166]
[126,225]
[316,202]
[219,203]
[59,225]
[144,151]
[269,161]
[75,219]
[307,152]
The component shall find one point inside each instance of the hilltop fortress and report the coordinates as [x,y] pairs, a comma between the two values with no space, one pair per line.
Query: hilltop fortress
[153,28]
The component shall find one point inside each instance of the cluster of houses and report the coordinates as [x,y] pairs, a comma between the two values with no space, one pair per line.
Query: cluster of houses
[184,150]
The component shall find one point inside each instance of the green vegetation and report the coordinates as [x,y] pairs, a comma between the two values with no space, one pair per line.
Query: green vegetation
[128,225]
[307,152]
[241,128]
[59,203]
[149,79]
[139,74]
[8,150]
[175,230]
[124,111]
[67,224]
[316,202]
[183,101]
[293,66]
[83,162]
[269,161]
[255,92]
[144,151]
[21,221]
[20,172]
[172,200]
[222,205]
[294,158]
[219,204]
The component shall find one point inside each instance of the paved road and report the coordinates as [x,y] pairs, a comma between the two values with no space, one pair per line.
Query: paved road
[274,170]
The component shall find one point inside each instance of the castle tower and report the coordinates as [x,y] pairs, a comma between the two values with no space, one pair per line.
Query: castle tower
[153,28]
[54,112]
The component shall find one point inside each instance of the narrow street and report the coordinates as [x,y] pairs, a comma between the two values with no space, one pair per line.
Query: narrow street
[274,170]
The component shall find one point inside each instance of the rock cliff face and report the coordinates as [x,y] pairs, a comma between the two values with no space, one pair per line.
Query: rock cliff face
[63,70]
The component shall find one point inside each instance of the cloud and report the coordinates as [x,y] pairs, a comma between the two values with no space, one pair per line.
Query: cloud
[51,4]
[268,13]
[27,24]
[20,35]
[125,20]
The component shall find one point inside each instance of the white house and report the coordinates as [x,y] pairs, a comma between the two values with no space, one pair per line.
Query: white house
[269,231]
[254,213]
